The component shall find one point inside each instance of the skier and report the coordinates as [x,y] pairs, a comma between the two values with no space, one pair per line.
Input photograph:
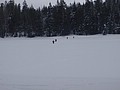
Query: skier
[53,41]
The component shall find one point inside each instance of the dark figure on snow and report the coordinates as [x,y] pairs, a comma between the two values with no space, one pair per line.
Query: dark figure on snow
[67,37]
[73,37]
[53,41]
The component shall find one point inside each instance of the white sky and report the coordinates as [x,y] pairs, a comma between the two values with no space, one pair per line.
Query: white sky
[41,3]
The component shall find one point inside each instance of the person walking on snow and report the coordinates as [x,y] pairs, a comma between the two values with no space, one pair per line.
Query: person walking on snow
[53,41]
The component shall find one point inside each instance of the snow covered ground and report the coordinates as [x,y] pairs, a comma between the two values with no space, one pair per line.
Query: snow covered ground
[80,63]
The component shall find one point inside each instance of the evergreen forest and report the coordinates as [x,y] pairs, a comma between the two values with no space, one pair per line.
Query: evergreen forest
[89,18]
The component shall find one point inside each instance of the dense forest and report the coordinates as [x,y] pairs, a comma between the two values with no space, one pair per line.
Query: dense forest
[89,18]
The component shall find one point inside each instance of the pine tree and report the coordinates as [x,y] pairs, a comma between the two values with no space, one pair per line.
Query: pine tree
[25,17]
[39,23]
[49,22]
[73,18]
[2,33]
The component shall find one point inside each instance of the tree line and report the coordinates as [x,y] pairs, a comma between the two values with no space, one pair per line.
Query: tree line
[89,18]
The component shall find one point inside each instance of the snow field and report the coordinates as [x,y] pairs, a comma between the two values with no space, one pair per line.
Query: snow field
[80,63]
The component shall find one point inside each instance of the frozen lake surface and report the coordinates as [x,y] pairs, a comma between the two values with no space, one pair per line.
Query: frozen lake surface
[80,63]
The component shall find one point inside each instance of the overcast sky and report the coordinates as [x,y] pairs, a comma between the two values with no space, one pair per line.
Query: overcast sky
[41,3]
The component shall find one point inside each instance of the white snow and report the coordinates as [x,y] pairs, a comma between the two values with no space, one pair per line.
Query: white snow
[80,63]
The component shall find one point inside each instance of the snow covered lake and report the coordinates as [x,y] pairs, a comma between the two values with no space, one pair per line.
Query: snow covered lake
[80,63]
